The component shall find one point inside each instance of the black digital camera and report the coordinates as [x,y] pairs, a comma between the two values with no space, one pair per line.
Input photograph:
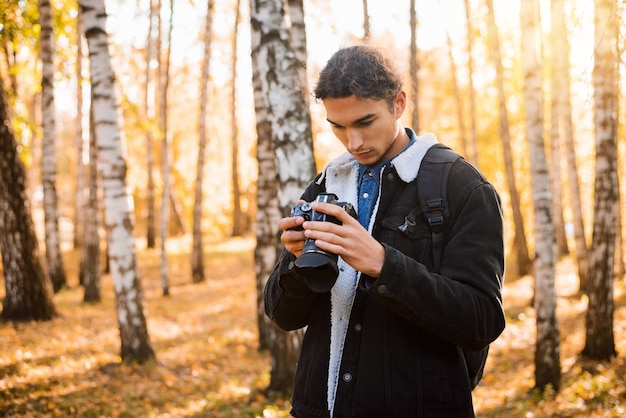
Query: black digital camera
[319,267]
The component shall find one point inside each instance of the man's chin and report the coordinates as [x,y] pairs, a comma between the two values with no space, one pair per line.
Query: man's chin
[367,158]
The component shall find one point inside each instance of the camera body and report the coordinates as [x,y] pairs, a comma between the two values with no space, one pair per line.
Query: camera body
[319,267]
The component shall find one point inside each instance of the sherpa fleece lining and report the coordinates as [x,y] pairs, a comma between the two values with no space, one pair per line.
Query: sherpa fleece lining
[341,176]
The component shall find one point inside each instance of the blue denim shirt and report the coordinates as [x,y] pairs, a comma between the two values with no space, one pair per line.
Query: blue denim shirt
[369,187]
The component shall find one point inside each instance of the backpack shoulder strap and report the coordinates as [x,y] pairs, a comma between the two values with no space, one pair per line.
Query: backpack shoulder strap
[432,185]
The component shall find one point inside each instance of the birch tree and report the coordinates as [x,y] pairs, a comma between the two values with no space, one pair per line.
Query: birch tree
[197,253]
[558,80]
[414,68]
[119,219]
[563,120]
[91,266]
[54,259]
[366,21]
[285,154]
[149,117]
[519,237]
[28,292]
[547,352]
[599,338]
[79,208]
[457,97]
[164,78]
[473,140]
[240,219]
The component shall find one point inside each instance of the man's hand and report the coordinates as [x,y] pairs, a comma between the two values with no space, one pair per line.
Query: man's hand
[350,240]
[292,240]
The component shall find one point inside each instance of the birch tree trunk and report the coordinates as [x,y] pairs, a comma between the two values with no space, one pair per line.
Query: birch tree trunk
[519,238]
[599,339]
[91,268]
[457,98]
[366,21]
[79,208]
[54,256]
[547,352]
[285,144]
[149,115]
[561,67]
[473,141]
[28,293]
[558,81]
[119,219]
[197,252]
[164,76]
[414,69]
[240,219]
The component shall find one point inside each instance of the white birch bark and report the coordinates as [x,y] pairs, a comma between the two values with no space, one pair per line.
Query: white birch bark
[240,219]
[79,203]
[284,136]
[473,141]
[149,115]
[566,130]
[54,257]
[547,351]
[164,74]
[599,338]
[118,206]
[197,252]
[519,239]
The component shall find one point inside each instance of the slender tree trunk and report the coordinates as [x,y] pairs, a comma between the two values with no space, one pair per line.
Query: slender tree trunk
[559,114]
[79,208]
[556,182]
[28,293]
[149,115]
[119,218]
[164,72]
[561,67]
[457,98]
[91,265]
[473,155]
[414,69]
[284,135]
[519,238]
[599,338]
[197,253]
[366,21]
[48,163]
[240,219]
[547,350]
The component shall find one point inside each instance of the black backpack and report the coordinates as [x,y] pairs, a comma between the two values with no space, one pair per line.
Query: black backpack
[432,182]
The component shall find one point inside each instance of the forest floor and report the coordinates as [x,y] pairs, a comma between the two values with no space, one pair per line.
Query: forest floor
[208,363]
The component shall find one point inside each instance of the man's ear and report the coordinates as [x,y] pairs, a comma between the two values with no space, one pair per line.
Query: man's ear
[400,103]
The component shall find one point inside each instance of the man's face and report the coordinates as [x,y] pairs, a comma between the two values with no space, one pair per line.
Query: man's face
[369,129]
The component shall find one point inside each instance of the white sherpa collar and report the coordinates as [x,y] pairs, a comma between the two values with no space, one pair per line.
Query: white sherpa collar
[341,177]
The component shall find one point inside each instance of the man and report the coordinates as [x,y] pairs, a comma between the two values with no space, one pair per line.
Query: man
[387,339]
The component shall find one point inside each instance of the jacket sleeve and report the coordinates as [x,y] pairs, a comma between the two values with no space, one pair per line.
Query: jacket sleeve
[463,303]
[287,298]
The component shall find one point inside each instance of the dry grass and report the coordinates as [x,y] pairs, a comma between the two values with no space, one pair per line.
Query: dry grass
[208,362]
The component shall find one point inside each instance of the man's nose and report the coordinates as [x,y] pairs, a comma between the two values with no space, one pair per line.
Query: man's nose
[355,141]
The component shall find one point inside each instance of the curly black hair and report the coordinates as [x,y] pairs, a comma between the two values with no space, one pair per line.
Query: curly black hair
[360,70]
